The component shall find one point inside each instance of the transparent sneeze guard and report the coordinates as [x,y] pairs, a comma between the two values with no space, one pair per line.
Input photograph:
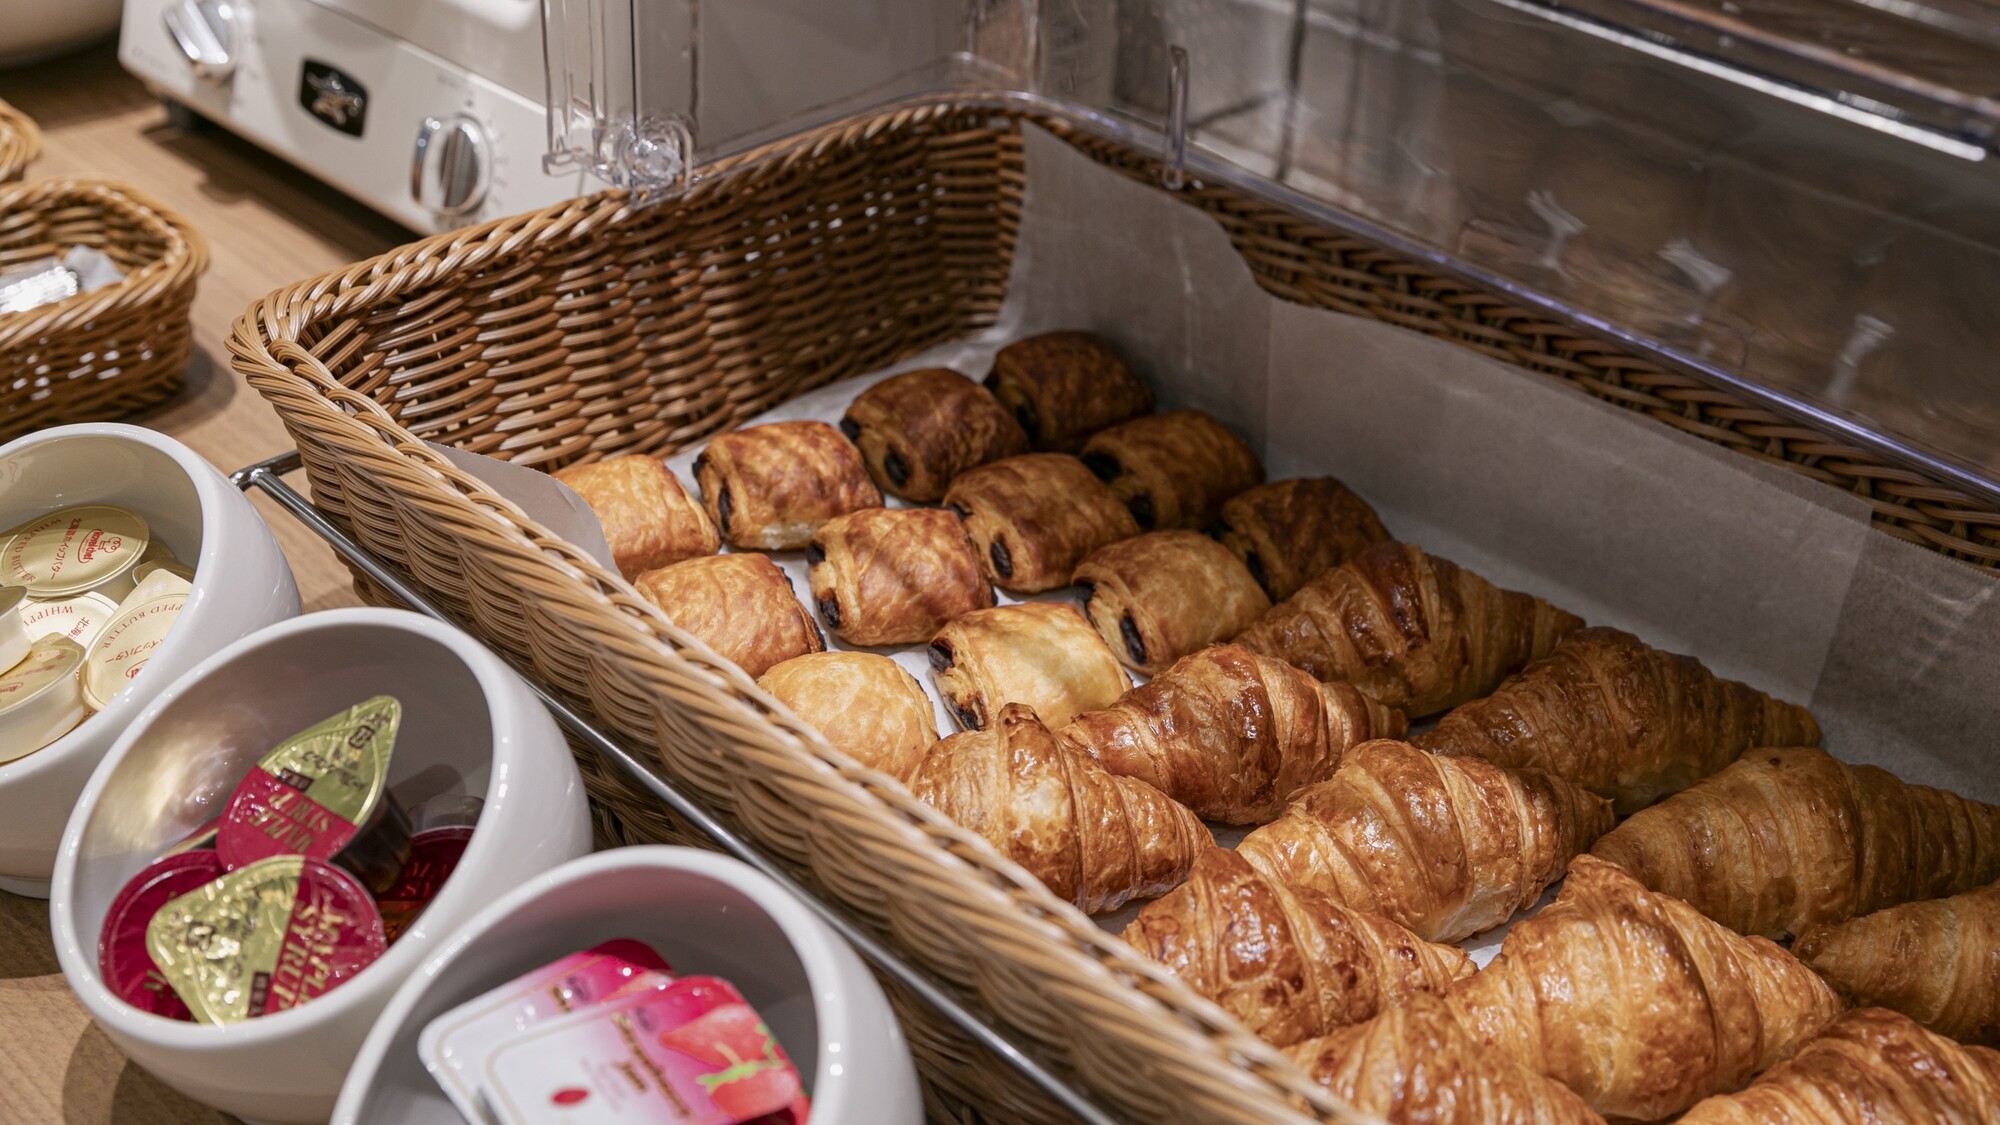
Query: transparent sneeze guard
[1795,199]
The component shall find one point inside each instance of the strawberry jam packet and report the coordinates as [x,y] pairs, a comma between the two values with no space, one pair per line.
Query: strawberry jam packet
[455,1046]
[694,1052]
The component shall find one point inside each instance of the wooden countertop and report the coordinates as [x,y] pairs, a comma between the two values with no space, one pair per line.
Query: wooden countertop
[267,224]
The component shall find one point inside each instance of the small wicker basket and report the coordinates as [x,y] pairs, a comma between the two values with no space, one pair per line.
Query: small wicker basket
[20,143]
[106,353]
[591,329]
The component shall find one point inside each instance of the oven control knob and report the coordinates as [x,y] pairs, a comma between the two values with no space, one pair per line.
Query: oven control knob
[205,32]
[451,167]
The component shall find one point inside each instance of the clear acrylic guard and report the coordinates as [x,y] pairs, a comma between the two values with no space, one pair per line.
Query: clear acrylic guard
[1796,199]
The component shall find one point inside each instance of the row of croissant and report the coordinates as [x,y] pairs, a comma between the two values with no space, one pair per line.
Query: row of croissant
[1636,994]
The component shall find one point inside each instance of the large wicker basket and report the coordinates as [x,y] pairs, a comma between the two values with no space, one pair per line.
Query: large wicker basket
[590,329]
[106,353]
[20,143]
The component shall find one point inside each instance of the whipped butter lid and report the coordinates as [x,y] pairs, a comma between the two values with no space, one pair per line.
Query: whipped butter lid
[73,550]
[14,636]
[125,645]
[39,697]
[80,618]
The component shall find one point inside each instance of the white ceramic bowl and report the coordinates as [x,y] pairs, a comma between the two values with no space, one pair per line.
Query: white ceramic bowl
[705,913]
[241,584]
[470,727]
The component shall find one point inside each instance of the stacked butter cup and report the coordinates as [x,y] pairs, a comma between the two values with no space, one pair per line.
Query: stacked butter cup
[129,560]
[271,767]
[88,597]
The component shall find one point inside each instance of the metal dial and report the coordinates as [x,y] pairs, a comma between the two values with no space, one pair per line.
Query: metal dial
[205,32]
[451,167]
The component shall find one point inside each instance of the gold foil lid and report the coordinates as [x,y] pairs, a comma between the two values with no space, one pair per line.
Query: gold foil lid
[122,650]
[73,550]
[265,937]
[39,699]
[342,761]
[80,618]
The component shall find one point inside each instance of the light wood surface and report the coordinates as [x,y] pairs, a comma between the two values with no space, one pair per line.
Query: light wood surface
[267,224]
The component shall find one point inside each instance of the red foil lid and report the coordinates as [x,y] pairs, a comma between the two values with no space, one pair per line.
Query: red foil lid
[324,793]
[122,958]
[265,937]
[433,857]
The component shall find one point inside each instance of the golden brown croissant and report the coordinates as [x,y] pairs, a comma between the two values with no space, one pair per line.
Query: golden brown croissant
[649,520]
[741,605]
[1093,838]
[1785,839]
[1065,386]
[1446,846]
[1624,720]
[1034,517]
[1231,734]
[1636,1001]
[771,486]
[1286,961]
[1414,1065]
[862,703]
[918,430]
[1160,596]
[1868,1066]
[1411,630]
[1173,470]
[1289,532]
[1043,654]
[1937,962]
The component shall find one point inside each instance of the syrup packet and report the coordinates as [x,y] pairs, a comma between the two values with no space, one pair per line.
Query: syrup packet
[693,1053]
[455,1046]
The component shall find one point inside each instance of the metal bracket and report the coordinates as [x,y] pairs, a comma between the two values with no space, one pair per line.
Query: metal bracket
[268,477]
[1173,174]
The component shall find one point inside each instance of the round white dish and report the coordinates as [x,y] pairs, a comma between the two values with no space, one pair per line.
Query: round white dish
[241,585]
[470,727]
[706,914]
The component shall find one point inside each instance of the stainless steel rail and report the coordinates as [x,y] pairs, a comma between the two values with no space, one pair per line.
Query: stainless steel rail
[268,477]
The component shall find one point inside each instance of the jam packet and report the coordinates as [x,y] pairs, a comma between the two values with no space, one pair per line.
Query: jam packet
[455,1046]
[693,1052]
[264,937]
[324,793]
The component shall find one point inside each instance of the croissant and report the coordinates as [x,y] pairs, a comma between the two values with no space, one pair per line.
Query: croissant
[1868,1066]
[1095,839]
[1446,846]
[1636,1001]
[1410,630]
[1414,1065]
[1231,734]
[1937,962]
[1784,839]
[1624,720]
[1287,961]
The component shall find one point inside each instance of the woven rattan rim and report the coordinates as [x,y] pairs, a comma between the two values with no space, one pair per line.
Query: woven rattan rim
[182,256]
[112,351]
[1132,1029]
[20,143]
[1222,1073]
